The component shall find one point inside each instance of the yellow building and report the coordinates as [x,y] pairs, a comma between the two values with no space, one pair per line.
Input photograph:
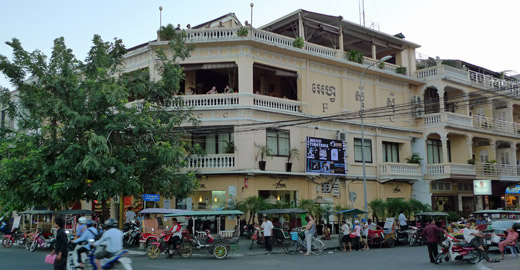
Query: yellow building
[282,94]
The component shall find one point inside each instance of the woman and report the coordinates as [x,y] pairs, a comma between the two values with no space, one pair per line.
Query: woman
[60,247]
[364,234]
[357,233]
[310,230]
[512,237]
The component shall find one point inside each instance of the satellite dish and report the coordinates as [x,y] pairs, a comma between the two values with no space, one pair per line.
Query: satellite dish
[352,196]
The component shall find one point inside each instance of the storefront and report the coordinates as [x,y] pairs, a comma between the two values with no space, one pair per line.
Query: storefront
[512,195]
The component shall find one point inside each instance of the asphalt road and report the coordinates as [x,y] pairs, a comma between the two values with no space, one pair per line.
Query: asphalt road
[398,258]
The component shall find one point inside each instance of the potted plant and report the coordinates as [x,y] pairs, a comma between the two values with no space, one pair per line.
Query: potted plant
[471,161]
[298,42]
[229,148]
[242,32]
[415,159]
[381,65]
[293,152]
[263,151]
[400,70]
[355,56]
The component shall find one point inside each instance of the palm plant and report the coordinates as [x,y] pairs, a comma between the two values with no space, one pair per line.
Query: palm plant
[378,208]
[252,205]
[394,206]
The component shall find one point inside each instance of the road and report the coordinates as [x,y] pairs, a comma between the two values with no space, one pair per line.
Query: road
[397,258]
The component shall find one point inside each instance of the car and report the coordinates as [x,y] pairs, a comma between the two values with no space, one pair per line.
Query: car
[499,227]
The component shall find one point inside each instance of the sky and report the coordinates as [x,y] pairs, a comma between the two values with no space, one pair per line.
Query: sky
[484,33]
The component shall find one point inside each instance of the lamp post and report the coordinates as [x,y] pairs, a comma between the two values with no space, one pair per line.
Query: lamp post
[252,5]
[360,96]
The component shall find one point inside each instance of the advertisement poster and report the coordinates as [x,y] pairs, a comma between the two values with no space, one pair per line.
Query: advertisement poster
[326,156]
[482,187]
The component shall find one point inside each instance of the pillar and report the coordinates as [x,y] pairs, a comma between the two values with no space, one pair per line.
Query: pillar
[492,155]
[444,141]
[374,52]
[441,99]
[469,145]
[245,78]
[466,104]
[341,48]
[512,154]
[301,31]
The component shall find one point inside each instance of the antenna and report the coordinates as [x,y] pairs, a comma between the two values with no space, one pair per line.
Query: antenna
[361,4]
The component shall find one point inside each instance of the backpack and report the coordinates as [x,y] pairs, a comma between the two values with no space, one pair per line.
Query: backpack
[96,235]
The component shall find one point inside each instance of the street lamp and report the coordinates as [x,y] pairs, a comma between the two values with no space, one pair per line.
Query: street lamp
[360,96]
[252,5]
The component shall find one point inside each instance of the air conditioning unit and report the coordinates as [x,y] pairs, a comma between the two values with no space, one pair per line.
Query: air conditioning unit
[418,112]
[416,100]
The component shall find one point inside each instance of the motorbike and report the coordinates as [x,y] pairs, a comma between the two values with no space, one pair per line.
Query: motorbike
[182,248]
[4,227]
[41,240]
[248,231]
[131,234]
[14,237]
[118,261]
[452,249]
[416,237]
[258,237]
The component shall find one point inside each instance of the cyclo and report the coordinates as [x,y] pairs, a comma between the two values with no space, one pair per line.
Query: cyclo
[421,220]
[220,245]
[281,231]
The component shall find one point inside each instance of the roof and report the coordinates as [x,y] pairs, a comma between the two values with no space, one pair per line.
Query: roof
[161,211]
[351,212]
[231,15]
[496,211]
[206,213]
[74,212]
[38,212]
[336,21]
[431,214]
[282,211]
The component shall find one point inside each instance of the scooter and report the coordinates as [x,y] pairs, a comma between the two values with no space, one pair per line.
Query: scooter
[452,249]
[131,234]
[257,237]
[15,237]
[118,261]
[416,237]
[41,241]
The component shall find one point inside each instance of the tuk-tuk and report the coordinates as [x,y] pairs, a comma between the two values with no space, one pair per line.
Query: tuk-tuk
[71,218]
[153,224]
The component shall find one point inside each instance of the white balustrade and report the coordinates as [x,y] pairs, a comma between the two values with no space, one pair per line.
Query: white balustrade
[432,118]
[211,34]
[435,169]
[321,50]
[495,125]
[496,169]
[272,38]
[427,72]
[276,103]
[459,119]
[464,169]
[450,168]
[212,161]
[215,100]
[400,169]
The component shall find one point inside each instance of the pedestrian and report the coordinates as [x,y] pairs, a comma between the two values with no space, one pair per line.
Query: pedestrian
[357,234]
[431,233]
[61,248]
[364,233]
[130,215]
[310,230]
[267,226]
[346,239]
[402,221]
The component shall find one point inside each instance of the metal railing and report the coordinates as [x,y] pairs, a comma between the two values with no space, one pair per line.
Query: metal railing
[496,169]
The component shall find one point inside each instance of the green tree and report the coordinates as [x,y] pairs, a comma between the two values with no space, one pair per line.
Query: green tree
[251,205]
[80,139]
[378,208]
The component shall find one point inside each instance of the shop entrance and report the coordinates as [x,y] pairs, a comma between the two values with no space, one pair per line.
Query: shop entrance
[286,196]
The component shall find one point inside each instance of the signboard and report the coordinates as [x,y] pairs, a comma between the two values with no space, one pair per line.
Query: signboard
[335,188]
[326,156]
[513,189]
[167,204]
[482,187]
[151,197]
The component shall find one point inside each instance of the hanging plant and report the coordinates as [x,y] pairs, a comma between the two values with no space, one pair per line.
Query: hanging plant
[381,65]
[298,42]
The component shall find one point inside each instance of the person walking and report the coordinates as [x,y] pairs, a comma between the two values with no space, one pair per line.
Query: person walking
[310,230]
[267,226]
[346,238]
[357,233]
[61,248]
[431,233]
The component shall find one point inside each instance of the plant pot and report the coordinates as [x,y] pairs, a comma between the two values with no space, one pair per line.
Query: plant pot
[261,165]
[288,167]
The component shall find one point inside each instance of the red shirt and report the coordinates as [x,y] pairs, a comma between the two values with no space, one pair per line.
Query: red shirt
[431,232]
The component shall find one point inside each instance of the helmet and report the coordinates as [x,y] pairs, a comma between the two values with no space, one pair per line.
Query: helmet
[111,223]
[82,220]
[90,223]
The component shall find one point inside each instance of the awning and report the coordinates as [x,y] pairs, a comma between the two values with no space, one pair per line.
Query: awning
[206,213]
[161,211]
[282,211]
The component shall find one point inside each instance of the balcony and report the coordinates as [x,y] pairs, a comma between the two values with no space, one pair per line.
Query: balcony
[496,125]
[438,119]
[449,170]
[390,171]
[504,172]
[214,162]
[475,122]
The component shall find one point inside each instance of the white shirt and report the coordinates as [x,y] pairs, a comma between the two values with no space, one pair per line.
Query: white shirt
[175,232]
[467,234]
[268,227]
[402,220]
[130,216]
[345,229]
[113,239]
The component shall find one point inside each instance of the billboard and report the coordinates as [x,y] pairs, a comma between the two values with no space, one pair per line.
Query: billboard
[326,156]
[482,187]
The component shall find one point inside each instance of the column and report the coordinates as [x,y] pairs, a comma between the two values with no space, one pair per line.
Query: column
[245,78]
[340,51]
[444,141]
[466,104]
[374,51]
[469,145]
[301,31]
[440,92]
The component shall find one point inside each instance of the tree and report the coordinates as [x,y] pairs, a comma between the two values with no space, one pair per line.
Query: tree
[80,139]
[252,205]
[378,208]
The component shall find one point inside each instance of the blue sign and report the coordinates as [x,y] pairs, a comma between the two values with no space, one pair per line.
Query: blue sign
[151,197]
[513,190]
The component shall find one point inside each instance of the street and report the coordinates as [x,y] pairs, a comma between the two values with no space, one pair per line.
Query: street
[400,257]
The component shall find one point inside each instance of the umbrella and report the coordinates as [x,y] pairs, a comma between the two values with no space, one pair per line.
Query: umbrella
[321,200]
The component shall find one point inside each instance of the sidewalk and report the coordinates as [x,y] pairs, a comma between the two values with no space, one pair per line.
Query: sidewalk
[244,250]
[508,263]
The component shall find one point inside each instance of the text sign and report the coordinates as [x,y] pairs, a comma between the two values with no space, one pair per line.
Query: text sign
[482,187]
[513,190]
[151,197]
[326,156]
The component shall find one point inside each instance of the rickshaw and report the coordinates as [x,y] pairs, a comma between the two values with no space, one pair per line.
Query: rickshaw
[280,233]
[152,228]
[421,220]
[220,245]
[71,218]
[38,229]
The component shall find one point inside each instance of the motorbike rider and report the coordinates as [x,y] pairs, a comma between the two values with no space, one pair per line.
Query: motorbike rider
[89,234]
[81,226]
[177,234]
[112,239]
[475,239]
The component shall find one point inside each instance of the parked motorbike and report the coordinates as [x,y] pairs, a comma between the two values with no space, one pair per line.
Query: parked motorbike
[453,249]
[131,234]
[416,238]
[248,231]
[15,237]
[258,237]
[41,240]
[184,249]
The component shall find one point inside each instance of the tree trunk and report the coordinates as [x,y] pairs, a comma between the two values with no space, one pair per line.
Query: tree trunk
[104,211]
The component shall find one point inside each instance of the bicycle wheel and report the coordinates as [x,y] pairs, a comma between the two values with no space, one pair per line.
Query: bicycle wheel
[291,247]
[317,246]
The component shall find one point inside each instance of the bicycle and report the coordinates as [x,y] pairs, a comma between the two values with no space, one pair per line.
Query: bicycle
[298,244]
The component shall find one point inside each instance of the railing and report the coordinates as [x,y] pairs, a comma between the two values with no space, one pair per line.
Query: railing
[317,49]
[450,168]
[448,118]
[276,103]
[215,100]
[368,61]
[212,161]
[427,72]
[400,169]
[212,34]
[495,169]
[273,38]
[496,125]
[432,119]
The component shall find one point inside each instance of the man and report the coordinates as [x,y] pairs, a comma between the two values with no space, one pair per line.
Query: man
[177,233]
[112,239]
[130,215]
[90,234]
[60,247]
[481,223]
[267,226]
[402,221]
[431,233]
[372,226]
[346,238]
[475,239]
[81,226]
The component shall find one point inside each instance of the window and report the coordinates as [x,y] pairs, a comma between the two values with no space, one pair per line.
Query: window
[434,151]
[219,143]
[504,157]
[367,151]
[278,142]
[390,152]
[441,186]
[483,154]
[465,186]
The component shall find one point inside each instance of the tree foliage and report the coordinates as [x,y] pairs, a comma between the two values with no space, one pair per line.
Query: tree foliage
[79,136]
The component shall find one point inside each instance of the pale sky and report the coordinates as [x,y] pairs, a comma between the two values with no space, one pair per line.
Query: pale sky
[484,33]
